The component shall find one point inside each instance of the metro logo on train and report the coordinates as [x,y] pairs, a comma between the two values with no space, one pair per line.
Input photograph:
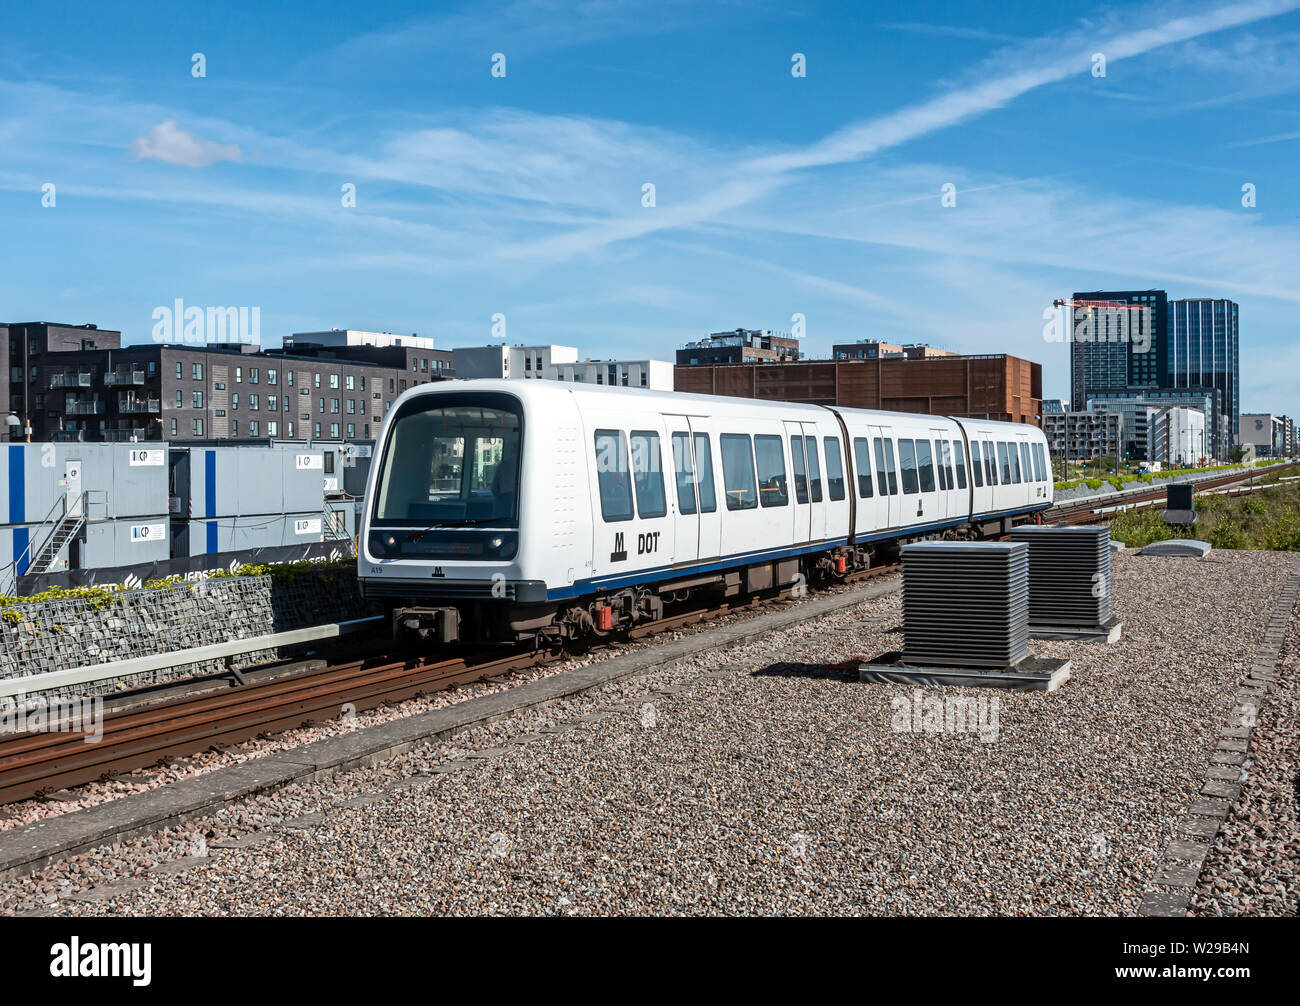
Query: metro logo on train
[526,497]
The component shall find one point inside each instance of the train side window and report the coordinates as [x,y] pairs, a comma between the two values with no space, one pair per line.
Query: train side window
[907,462]
[648,474]
[943,463]
[738,472]
[889,466]
[1040,463]
[1026,466]
[925,466]
[975,464]
[685,473]
[611,473]
[835,468]
[990,463]
[814,469]
[800,475]
[938,463]
[1004,466]
[771,471]
[864,467]
[1017,474]
[704,466]
[947,461]
[960,455]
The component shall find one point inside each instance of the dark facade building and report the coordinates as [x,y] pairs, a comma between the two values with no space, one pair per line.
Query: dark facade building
[178,393]
[424,363]
[741,346]
[26,346]
[866,349]
[1118,342]
[998,387]
[1203,353]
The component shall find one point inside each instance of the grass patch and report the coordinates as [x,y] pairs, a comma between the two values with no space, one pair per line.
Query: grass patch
[1268,520]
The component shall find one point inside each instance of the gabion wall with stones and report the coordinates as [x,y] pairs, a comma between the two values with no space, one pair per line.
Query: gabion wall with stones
[73,632]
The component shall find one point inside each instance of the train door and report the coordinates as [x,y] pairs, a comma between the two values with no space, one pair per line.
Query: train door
[632,524]
[944,478]
[685,505]
[801,503]
[706,488]
[885,471]
[816,483]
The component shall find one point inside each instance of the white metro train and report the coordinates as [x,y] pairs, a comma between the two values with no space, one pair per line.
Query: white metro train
[502,510]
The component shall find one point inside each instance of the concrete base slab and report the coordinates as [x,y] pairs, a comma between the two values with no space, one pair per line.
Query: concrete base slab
[1107,632]
[1031,674]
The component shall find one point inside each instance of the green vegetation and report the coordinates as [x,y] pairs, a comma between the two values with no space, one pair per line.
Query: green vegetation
[1268,519]
[1118,480]
[102,596]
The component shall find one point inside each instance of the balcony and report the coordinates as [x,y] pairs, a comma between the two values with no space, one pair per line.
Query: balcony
[137,405]
[120,378]
[134,433]
[84,409]
[70,379]
[67,436]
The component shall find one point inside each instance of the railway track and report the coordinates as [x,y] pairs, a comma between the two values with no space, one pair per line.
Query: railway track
[1094,510]
[138,737]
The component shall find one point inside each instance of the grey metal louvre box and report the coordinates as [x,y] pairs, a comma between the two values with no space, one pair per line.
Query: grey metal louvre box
[965,604]
[1069,573]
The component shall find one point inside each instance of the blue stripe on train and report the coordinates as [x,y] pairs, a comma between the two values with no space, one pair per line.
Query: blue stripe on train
[657,573]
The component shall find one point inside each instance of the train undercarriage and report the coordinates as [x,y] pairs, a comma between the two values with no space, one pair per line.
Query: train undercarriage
[551,624]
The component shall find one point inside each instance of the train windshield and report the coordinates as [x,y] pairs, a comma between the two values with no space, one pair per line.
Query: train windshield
[452,464]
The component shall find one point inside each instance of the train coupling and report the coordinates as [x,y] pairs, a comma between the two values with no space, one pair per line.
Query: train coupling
[441,625]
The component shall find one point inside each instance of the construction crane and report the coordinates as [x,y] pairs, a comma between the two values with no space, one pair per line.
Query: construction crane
[1101,304]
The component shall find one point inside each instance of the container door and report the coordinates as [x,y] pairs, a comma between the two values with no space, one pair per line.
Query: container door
[800,501]
[72,485]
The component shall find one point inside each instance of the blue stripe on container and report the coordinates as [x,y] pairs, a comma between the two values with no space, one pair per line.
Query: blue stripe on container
[210,496]
[18,503]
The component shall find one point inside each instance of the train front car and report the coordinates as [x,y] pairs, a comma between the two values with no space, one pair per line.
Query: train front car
[444,541]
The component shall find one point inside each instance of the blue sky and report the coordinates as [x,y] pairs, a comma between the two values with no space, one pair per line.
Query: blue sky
[775,196]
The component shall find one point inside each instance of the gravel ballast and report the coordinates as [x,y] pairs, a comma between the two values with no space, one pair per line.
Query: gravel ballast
[752,780]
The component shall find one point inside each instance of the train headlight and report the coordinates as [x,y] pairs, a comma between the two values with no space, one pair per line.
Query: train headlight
[496,543]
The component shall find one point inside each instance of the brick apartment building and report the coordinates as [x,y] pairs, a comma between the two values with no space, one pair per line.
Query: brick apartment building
[998,387]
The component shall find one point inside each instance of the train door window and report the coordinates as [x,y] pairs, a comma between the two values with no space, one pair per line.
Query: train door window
[990,463]
[863,461]
[685,472]
[1020,474]
[1004,465]
[960,455]
[885,450]
[975,464]
[738,472]
[704,473]
[1040,463]
[1026,466]
[835,468]
[947,463]
[942,464]
[611,473]
[800,475]
[648,474]
[907,462]
[814,469]
[925,466]
[771,471]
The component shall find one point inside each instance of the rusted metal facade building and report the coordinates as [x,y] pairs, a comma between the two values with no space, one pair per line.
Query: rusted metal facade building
[1000,386]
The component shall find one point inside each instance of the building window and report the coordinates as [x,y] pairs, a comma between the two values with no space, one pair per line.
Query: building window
[272,377]
[334,431]
[317,431]
[252,375]
[352,431]
[272,403]
[234,400]
[352,407]
[219,387]
[180,370]
[351,382]
[239,375]
[288,378]
[253,402]
[196,399]
[197,426]
[173,427]
[196,371]
[179,403]
[272,428]
[253,428]
[316,379]
[334,380]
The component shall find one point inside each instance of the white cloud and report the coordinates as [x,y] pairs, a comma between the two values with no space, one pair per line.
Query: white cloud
[168,143]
